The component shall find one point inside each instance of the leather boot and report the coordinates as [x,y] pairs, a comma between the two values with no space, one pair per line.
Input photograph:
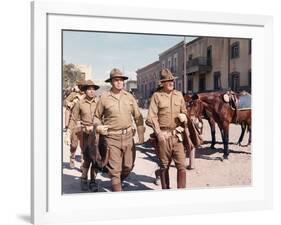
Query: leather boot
[181,178]
[167,177]
[72,161]
[157,177]
[84,179]
[164,177]
[116,187]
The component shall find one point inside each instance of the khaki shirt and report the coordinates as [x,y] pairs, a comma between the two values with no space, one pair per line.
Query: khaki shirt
[83,110]
[72,98]
[164,109]
[117,112]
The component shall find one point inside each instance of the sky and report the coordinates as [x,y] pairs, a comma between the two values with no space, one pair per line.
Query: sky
[104,51]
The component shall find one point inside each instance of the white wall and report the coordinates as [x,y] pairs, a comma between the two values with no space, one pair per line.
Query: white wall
[15,110]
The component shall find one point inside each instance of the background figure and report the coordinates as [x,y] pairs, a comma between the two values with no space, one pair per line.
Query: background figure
[74,136]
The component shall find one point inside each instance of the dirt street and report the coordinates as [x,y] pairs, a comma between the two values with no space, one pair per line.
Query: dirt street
[211,170]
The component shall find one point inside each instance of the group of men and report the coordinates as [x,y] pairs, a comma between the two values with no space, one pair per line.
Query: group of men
[110,118]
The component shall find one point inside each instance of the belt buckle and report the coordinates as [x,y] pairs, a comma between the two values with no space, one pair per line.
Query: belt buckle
[124,131]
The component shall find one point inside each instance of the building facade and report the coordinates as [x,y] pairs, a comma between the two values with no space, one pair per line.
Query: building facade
[218,64]
[211,64]
[147,81]
[173,59]
[86,70]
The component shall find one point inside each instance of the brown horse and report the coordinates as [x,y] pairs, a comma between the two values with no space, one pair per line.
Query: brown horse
[220,108]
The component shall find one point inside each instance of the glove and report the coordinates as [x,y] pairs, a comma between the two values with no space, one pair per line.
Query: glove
[182,117]
[70,105]
[89,129]
[67,140]
[102,129]
[141,130]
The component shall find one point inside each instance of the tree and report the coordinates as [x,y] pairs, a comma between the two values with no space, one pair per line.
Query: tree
[71,74]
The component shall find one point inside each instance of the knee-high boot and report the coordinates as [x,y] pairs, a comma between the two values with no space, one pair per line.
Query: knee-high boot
[164,177]
[181,178]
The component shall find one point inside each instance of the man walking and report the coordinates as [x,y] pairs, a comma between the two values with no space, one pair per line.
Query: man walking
[167,111]
[84,111]
[115,110]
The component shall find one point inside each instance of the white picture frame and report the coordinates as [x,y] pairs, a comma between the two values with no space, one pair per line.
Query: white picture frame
[48,205]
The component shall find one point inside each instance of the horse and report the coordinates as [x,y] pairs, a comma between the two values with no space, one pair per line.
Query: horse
[220,108]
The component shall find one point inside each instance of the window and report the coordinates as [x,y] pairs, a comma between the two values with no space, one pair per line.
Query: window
[190,57]
[235,81]
[190,84]
[209,55]
[250,78]
[235,50]
[175,65]
[202,83]
[217,80]
[250,46]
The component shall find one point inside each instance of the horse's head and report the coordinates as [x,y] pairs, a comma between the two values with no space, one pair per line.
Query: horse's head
[195,111]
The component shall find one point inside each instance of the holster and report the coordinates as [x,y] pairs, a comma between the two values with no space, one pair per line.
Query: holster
[154,142]
[195,137]
[103,150]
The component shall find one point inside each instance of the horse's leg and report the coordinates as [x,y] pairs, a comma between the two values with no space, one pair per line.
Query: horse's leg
[224,128]
[225,141]
[250,134]
[243,128]
[213,132]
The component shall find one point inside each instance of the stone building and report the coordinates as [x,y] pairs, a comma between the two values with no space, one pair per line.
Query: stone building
[147,81]
[86,70]
[218,64]
[173,59]
[211,64]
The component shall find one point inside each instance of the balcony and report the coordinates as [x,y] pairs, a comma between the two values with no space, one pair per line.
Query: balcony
[199,64]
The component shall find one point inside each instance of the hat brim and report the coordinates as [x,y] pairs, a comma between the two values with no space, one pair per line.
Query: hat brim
[171,79]
[84,87]
[109,79]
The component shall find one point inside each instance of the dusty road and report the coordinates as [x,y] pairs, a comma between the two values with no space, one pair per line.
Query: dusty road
[211,170]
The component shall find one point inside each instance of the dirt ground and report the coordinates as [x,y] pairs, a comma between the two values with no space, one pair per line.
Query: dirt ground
[210,168]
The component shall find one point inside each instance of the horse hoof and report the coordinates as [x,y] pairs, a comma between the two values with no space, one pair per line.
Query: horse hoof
[157,181]
[190,167]
[93,187]
[225,156]
[71,164]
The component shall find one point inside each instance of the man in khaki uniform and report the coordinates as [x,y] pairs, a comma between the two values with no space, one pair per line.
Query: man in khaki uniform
[70,101]
[115,109]
[84,111]
[167,111]
[73,136]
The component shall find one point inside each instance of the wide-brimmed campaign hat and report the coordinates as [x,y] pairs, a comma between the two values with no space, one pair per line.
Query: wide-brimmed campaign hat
[166,75]
[116,73]
[88,83]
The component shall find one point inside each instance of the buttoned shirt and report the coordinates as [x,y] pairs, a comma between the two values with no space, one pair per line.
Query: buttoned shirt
[83,110]
[164,109]
[117,112]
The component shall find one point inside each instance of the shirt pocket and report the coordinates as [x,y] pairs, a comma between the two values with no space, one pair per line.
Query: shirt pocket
[164,107]
[128,107]
[177,106]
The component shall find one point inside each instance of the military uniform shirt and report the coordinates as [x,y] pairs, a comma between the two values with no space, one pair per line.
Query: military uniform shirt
[83,110]
[117,112]
[164,109]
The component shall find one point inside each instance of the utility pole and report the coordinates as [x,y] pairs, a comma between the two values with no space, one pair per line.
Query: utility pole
[184,67]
